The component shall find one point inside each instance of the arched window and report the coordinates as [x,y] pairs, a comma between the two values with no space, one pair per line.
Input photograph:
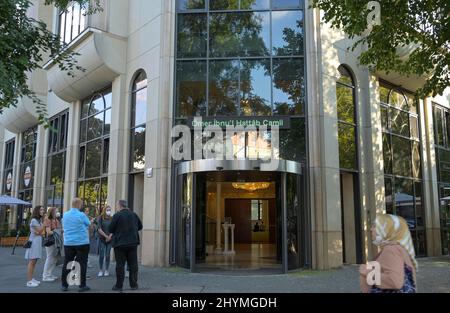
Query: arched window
[138,122]
[347,124]
[402,160]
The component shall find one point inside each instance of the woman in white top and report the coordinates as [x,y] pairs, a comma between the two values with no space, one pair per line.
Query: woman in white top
[34,253]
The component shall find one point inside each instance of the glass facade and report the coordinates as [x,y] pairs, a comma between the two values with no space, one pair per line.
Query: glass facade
[56,160]
[8,167]
[138,122]
[93,160]
[402,162]
[441,122]
[243,59]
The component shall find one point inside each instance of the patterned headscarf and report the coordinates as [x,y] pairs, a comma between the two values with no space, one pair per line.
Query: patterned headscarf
[394,229]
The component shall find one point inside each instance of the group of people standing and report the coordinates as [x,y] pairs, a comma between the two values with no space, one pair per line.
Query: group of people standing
[120,232]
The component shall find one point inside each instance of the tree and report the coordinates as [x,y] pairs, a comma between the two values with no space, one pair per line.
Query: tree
[25,44]
[421,24]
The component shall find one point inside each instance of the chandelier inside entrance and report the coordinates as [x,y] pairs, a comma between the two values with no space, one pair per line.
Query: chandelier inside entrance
[251,186]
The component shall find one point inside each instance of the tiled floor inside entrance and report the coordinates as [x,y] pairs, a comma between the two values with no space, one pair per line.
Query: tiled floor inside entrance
[255,256]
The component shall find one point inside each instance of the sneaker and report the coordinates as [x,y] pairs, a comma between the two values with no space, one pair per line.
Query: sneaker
[32,284]
[54,277]
[100,274]
[106,273]
[134,287]
[83,289]
[36,281]
[64,288]
[48,279]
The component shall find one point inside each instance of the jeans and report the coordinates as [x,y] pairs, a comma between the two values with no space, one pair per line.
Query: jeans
[50,262]
[105,254]
[81,254]
[127,255]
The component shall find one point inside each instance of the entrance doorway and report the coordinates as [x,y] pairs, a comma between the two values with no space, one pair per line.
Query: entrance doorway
[247,201]
[241,220]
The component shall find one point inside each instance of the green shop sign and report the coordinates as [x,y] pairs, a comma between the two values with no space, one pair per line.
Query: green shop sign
[283,122]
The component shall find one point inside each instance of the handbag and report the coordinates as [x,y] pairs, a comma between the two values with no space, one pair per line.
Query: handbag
[49,240]
[27,244]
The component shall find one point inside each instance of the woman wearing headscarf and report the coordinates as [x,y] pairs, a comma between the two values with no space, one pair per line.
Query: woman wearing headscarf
[396,258]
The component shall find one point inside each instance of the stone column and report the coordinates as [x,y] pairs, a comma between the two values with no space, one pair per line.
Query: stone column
[218,218]
[323,149]
[372,162]
[40,165]
[118,151]
[157,193]
[430,192]
[72,154]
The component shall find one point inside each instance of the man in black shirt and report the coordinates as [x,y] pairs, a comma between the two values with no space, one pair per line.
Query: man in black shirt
[125,227]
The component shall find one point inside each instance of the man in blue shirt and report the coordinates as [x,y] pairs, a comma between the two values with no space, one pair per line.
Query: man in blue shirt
[75,226]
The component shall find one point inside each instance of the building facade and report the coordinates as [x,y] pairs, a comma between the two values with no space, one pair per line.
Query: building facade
[350,143]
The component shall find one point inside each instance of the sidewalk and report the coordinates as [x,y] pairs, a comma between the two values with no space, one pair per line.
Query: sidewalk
[433,276]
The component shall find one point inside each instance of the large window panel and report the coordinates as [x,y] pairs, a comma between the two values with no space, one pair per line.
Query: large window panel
[399,100]
[56,169]
[288,86]
[404,201]
[95,126]
[287,33]
[93,159]
[414,124]
[105,159]
[286,4]
[399,122]
[347,146]
[224,88]
[387,154]
[402,156]
[384,118]
[239,34]
[389,195]
[82,162]
[438,126]
[186,5]
[293,141]
[345,104]
[420,218]
[416,160]
[191,88]
[138,146]
[255,4]
[192,35]
[255,83]
[223,4]
[107,122]
[140,107]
